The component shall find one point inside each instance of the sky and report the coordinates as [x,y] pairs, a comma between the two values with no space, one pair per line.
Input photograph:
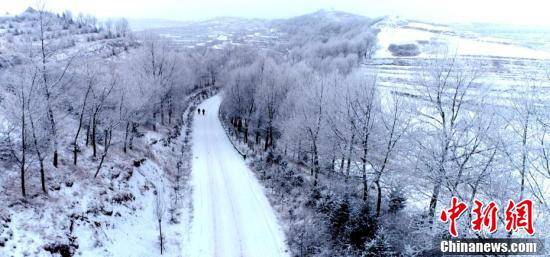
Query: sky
[516,12]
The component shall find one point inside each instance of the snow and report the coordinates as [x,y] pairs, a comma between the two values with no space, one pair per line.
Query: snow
[461,44]
[429,26]
[388,35]
[476,47]
[3,123]
[231,215]
[106,228]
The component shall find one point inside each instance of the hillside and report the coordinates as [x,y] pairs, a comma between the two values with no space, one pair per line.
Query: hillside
[66,36]
[91,207]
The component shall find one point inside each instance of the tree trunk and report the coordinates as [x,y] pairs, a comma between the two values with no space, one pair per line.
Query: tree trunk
[246,134]
[258,132]
[23,152]
[105,139]
[39,155]
[126,132]
[94,127]
[162,113]
[161,237]
[378,197]
[75,153]
[108,137]
[55,158]
[23,175]
[316,167]
[170,110]
[364,164]
[271,143]
[88,135]
[155,121]
[434,198]
[350,151]
[266,145]
[342,163]
[43,176]
[333,163]
[132,135]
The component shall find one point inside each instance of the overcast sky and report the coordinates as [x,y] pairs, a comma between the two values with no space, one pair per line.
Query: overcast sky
[521,12]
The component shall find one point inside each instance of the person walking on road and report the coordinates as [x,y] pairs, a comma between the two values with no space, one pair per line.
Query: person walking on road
[202,111]
[199,110]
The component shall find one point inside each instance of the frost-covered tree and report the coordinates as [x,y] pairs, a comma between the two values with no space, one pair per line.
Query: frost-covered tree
[443,86]
[122,28]
[21,83]
[160,212]
[395,123]
[90,78]
[52,77]
[308,117]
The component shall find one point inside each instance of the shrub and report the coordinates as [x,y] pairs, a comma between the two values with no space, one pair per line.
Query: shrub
[404,50]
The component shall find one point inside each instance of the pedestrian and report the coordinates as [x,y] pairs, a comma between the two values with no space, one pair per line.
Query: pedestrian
[199,110]
[202,111]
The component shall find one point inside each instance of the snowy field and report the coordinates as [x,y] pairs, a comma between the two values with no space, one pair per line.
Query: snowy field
[432,39]
[507,70]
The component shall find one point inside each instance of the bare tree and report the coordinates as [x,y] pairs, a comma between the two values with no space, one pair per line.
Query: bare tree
[310,114]
[39,132]
[160,210]
[106,100]
[91,80]
[395,124]
[21,83]
[50,80]
[364,104]
[122,28]
[444,85]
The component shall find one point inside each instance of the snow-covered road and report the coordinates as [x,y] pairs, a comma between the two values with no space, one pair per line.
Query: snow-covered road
[231,215]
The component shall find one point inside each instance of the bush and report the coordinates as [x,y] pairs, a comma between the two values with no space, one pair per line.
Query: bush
[397,201]
[363,227]
[404,50]
[339,219]
[379,246]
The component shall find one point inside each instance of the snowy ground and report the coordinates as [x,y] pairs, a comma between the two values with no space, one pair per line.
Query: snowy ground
[231,215]
[432,39]
[113,215]
[96,216]
[507,69]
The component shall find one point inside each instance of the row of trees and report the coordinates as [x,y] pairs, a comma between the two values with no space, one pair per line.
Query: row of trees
[55,107]
[445,136]
[76,24]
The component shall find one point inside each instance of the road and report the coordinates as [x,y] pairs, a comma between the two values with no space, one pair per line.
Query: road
[231,215]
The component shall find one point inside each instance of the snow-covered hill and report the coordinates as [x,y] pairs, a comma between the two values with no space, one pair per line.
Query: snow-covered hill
[397,37]
[66,36]
[79,215]
[221,32]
